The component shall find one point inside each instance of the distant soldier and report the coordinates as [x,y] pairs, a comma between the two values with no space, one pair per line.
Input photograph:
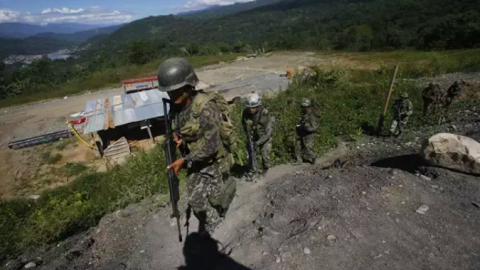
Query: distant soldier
[258,125]
[453,93]
[402,109]
[432,96]
[306,129]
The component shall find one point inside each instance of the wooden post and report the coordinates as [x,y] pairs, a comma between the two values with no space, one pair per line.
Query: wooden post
[150,131]
[387,100]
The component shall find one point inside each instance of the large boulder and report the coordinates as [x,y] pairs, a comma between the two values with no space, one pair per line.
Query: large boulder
[453,152]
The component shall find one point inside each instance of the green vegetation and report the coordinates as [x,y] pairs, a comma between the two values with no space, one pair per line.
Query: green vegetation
[49,159]
[80,204]
[355,25]
[46,79]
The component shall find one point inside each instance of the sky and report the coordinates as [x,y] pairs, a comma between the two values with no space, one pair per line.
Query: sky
[98,12]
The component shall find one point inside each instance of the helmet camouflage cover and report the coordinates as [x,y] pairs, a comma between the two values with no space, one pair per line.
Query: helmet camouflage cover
[306,102]
[174,74]
[253,100]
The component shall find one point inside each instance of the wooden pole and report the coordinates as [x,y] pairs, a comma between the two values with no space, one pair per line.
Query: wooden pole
[387,100]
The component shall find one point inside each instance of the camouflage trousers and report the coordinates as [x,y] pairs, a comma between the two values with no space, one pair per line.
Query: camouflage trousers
[398,125]
[304,148]
[205,185]
[265,150]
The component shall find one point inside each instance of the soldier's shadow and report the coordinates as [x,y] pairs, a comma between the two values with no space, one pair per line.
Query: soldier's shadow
[202,252]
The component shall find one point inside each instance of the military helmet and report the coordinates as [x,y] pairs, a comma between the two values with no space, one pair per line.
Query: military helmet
[253,100]
[174,74]
[404,95]
[306,102]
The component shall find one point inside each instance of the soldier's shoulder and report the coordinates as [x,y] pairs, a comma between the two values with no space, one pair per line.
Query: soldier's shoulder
[265,111]
[209,108]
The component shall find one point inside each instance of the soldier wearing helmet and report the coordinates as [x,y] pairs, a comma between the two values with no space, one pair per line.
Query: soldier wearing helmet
[203,149]
[306,129]
[402,109]
[258,123]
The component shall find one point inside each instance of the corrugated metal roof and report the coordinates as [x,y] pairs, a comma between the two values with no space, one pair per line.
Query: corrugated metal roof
[123,109]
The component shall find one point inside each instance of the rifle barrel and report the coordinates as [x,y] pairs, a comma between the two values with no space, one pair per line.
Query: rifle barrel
[172,178]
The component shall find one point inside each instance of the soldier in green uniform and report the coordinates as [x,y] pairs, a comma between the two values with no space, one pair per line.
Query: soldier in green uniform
[306,129]
[258,123]
[402,109]
[199,135]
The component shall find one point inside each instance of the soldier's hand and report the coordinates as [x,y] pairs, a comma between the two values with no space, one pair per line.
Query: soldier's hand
[177,140]
[177,165]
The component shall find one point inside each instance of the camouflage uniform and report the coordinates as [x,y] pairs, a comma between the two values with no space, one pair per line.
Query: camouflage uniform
[453,92]
[306,137]
[402,109]
[204,177]
[261,127]
[432,96]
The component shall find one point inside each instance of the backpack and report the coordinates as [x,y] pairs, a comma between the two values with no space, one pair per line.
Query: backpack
[228,131]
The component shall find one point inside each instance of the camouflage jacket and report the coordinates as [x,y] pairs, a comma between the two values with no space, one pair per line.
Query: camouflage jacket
[260,125]
[209,133]
[307,124]
[402,107]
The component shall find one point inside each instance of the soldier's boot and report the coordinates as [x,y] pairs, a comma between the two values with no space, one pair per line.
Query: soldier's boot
[298,161]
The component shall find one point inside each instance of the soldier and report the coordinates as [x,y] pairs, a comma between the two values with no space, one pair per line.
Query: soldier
[258,123]
[203,147]
[453,93]
[306,134]
[402,109]
[432,96]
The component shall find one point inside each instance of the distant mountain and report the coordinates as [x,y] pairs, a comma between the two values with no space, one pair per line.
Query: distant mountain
[357,25]
[30,46]
[219,11]
[82,36]
[49,42]
[23,30]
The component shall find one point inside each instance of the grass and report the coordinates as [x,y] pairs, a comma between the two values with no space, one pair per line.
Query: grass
[48,158]
[107,79]
[79,205]
[412,64]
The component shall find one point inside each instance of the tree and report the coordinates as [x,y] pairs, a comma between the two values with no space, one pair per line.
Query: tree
[141,52]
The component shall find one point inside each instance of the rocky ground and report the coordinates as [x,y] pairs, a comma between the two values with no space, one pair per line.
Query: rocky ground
[370,204]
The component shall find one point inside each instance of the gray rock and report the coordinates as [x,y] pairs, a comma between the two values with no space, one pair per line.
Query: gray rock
[73,253]
[453,152]
[13,265]
[422,209]
[331,237]
[306,250]
[33,197]
[30,265]
[426,178]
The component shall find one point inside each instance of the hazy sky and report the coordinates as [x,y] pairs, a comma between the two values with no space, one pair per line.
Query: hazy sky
[96,11]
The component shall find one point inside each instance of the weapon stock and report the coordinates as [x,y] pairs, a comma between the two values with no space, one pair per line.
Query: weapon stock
[173,183]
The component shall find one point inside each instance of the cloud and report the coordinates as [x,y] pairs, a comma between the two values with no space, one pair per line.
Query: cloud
[92,15]
[200,4]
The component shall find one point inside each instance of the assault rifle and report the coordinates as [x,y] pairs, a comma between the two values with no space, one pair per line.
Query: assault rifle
[173,183]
